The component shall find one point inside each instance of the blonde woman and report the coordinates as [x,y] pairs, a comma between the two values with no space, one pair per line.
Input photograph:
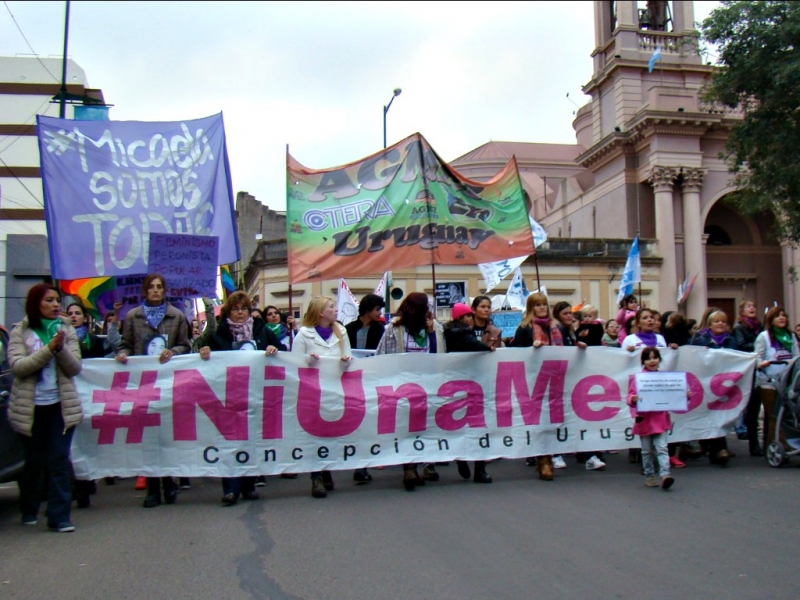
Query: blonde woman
[320,335]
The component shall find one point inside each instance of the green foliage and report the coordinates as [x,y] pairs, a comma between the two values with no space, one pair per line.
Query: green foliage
[760,73]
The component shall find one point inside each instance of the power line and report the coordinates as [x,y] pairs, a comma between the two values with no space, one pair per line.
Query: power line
[15,176]
[29,44]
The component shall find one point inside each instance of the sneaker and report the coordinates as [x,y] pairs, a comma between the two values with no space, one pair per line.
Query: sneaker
[674,461]
[558,462]
[318,488]
[652,481]
[229,499]
[531,461]
[29,520]
[141,483]
[261,481]
[667,481]
[184,483]
[63,527]
[595,464]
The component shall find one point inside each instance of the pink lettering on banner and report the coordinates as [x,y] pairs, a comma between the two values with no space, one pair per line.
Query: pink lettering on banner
[583,397]
[511,379]
[190,390]
[389,398]
[139,417]
[724,386]
[309,402]
[473,403]
[697,393]
[272,413]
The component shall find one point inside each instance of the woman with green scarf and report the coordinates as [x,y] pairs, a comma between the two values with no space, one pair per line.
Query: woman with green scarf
[44,409]
[276,326]
[775,348]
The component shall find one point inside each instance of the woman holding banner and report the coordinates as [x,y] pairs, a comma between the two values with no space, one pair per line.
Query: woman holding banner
[237,330]
[482,325]
[413,329]
[91,347]
[155,325]
[44,356]
[715,335]
[321,335]
[460,337]
[535,330]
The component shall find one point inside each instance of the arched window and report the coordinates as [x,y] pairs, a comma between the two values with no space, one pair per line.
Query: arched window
[717,236]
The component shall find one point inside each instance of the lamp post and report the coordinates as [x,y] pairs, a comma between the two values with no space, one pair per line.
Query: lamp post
[397,92]
[387,290]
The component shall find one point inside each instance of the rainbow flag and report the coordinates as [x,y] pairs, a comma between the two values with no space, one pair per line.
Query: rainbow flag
[227,279]
[88,290]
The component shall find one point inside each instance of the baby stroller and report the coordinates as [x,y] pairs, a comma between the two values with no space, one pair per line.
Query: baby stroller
[786,434]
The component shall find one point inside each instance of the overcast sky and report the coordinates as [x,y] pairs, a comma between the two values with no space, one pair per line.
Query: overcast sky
[316,75]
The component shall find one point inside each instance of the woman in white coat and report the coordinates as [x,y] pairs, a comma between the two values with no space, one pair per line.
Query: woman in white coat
[320,335]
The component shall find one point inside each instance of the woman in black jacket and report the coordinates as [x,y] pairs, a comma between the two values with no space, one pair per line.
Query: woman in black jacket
[238,330]
[459,337]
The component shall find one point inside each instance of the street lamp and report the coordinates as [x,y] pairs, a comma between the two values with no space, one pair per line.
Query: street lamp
[386,108]
[387,291]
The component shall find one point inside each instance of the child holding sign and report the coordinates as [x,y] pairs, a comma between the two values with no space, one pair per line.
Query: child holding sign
[652,429]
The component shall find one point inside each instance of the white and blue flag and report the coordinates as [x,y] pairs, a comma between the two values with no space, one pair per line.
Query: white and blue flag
[632,273]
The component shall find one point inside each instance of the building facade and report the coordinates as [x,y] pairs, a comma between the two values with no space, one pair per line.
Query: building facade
[645,162]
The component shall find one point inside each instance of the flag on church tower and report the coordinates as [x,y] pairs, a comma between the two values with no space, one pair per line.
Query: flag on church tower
[632,273]
[656,56]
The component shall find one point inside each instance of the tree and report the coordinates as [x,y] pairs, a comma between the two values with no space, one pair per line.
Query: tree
[759,72]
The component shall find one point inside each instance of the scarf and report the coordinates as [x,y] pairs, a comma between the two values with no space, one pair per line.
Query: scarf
[324,332]
[242,332]
[648,338]
[420,338]
[753,325]
[718,339]
[48,329]
[543,323]
[154,314]
[781,338]
[276,329]
[83,335]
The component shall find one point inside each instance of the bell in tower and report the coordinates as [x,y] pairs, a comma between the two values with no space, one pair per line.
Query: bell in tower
[656,17]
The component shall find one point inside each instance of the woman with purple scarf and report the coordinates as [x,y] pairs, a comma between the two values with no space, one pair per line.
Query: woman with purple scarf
[645,336]
[714,336]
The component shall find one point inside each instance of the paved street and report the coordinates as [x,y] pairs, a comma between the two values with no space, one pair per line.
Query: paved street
[719,533]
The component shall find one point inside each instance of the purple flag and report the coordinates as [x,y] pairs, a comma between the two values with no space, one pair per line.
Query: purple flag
[109,184]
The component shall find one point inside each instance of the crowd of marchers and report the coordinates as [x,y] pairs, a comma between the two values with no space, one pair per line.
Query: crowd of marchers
[44,353]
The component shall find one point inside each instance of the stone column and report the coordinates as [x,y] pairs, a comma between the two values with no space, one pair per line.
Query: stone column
[662,180]
[693,251]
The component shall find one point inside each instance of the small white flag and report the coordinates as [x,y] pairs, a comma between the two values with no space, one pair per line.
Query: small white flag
[380,290]
[346,305]
[517,291]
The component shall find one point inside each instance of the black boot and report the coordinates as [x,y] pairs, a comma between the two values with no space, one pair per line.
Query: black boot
[481,476]
[153,497]
[170,490]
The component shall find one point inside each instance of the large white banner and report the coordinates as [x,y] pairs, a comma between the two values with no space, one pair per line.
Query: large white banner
[243,413]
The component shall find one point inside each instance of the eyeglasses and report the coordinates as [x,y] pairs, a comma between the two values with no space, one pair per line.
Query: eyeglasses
[240,309]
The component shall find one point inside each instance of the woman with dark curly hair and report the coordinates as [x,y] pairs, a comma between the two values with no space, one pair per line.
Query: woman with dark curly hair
[44,355]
